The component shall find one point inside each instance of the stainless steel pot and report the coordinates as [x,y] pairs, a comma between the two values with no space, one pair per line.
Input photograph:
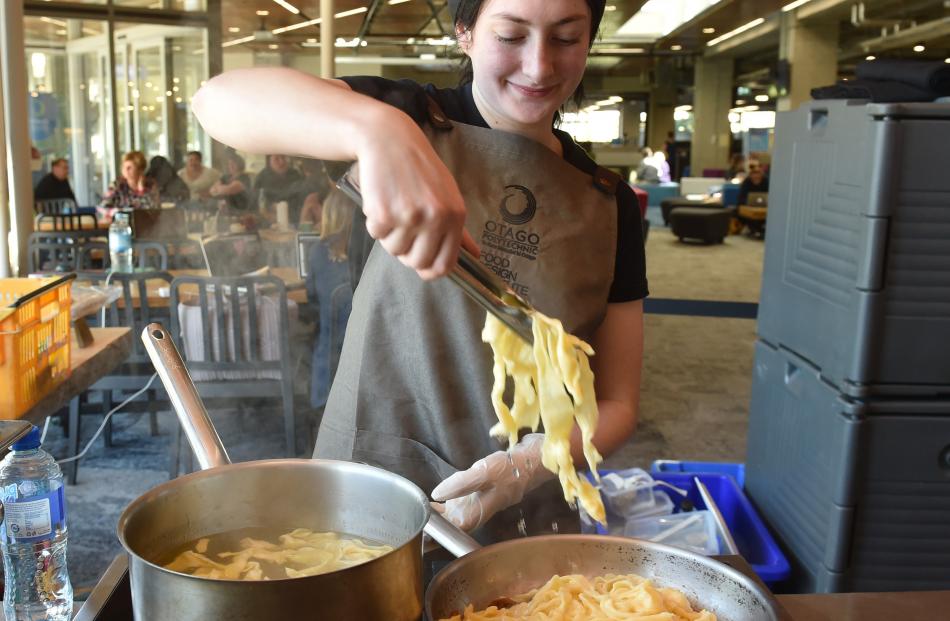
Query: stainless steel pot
[520,565]
[280,495]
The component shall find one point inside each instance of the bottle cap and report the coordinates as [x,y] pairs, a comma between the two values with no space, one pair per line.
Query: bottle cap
[28,442]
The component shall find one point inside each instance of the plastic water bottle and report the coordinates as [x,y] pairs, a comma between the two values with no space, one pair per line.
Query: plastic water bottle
[34,534]
[120,243]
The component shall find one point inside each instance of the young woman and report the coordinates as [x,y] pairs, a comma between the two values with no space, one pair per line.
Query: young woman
[412,393]
[132,190]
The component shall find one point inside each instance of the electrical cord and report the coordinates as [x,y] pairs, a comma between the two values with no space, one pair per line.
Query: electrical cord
[106,419]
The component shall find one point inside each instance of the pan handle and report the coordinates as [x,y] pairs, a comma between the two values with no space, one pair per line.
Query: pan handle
[201,434]
[452,538]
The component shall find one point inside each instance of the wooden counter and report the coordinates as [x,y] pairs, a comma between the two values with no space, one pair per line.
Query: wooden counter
[912,606]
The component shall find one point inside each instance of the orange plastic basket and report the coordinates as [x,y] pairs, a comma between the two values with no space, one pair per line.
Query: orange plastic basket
[34,340]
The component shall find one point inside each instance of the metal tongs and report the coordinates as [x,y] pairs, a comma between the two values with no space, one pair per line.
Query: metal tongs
[491,292]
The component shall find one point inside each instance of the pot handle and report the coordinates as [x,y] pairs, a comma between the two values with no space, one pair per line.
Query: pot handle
[450,536]
[201,434]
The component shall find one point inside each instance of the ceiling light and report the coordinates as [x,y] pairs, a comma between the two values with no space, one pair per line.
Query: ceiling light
[762,98]
[610,7]
[288,6]
[272,46]
[362,9]
[615,98]
[677,47]
[947,60]
[643,117]
[236,42]
[397,1]
[312,22]
[606,102]
[311,40]
[427,56]
[709,30]
[737,31]
[684,108]
[794,5]
[919,48]
[262,13]
[872,57]
[234,29]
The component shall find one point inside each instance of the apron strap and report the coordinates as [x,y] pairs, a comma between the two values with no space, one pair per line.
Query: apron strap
[606,181]
[437,117]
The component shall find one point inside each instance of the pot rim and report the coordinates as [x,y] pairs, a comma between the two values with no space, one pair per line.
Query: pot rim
[168,486]
[763,593]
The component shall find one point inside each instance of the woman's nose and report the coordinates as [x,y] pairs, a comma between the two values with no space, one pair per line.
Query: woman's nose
[538,62]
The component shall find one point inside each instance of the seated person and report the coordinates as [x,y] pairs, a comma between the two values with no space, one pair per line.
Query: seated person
[55,184]
[312,211]
[647,172]
[132,190]
[198,177]
[736,172]
[233,188]
[171,189]
[279,182]
[329,269]
[756,182]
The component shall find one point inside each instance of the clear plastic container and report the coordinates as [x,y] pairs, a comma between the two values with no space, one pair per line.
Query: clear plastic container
[694,531]
[628,493]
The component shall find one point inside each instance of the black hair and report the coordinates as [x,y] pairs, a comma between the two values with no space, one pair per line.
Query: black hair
[198,153]
[465,14]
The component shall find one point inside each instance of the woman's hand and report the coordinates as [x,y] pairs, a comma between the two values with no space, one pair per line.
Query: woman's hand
[412,203]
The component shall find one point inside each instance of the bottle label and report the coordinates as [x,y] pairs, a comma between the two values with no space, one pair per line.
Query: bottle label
[34,518]
[119,241]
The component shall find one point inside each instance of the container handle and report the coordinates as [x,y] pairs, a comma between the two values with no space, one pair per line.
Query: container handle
[194,419]
[450,536]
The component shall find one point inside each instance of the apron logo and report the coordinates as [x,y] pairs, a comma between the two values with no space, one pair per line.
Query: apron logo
[527,213]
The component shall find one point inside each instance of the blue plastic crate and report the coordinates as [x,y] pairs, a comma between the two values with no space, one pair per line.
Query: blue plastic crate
[753,539]
[672,466]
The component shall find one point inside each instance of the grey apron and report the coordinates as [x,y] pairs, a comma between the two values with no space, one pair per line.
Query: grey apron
[412,393]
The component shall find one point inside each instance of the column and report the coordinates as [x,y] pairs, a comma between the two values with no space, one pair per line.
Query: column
[712,99]
[4,196]
[16,121]
[327,40]
[662,103]
[811,49]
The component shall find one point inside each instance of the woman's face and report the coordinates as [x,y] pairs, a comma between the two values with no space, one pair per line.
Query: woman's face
[131,172]
[528,57]
[279,164]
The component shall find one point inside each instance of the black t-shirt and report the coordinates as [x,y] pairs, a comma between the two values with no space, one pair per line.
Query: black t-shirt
[747,187]
[630,279]
[51,187]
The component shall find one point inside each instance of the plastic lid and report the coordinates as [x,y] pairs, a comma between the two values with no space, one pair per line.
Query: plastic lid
[28,442]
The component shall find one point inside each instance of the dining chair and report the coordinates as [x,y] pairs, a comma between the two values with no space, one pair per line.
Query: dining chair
[66,222]
[233,333]
[145,256]
[55,206]
[58,250]
[138,305]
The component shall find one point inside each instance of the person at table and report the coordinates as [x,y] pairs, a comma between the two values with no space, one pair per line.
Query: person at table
[412,393]
[279,182]
[756,181]
[55,184]
[328,282]
[198,177]
[737,169]
[171,189]
[132,190]
[233,188]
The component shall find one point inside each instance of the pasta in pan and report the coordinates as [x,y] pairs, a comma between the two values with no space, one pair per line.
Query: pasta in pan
[554,385]
[298,554]
[607,598]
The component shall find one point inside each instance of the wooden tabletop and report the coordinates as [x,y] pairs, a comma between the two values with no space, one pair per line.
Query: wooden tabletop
[89,365]
[913,606]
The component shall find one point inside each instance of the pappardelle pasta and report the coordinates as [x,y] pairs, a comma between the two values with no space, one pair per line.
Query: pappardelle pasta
[554,385]
[297,554]
[577,598]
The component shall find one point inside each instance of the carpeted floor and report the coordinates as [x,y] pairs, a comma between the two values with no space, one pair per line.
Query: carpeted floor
[694,399]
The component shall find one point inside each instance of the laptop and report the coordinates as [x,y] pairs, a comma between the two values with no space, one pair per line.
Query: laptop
[758,199]
[233,255]
[159,224]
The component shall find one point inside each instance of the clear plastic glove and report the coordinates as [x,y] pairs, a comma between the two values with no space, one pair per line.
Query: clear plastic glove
[492,484]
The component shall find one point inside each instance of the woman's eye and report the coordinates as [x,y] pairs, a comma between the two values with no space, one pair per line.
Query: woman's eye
[566,41]
[504,39]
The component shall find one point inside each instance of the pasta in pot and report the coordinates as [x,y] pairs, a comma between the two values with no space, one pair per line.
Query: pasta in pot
[608,598]
[554,385]
[297,554]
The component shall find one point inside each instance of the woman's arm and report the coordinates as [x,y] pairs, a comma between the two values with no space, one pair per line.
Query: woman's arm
[617,364]
[412,203]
